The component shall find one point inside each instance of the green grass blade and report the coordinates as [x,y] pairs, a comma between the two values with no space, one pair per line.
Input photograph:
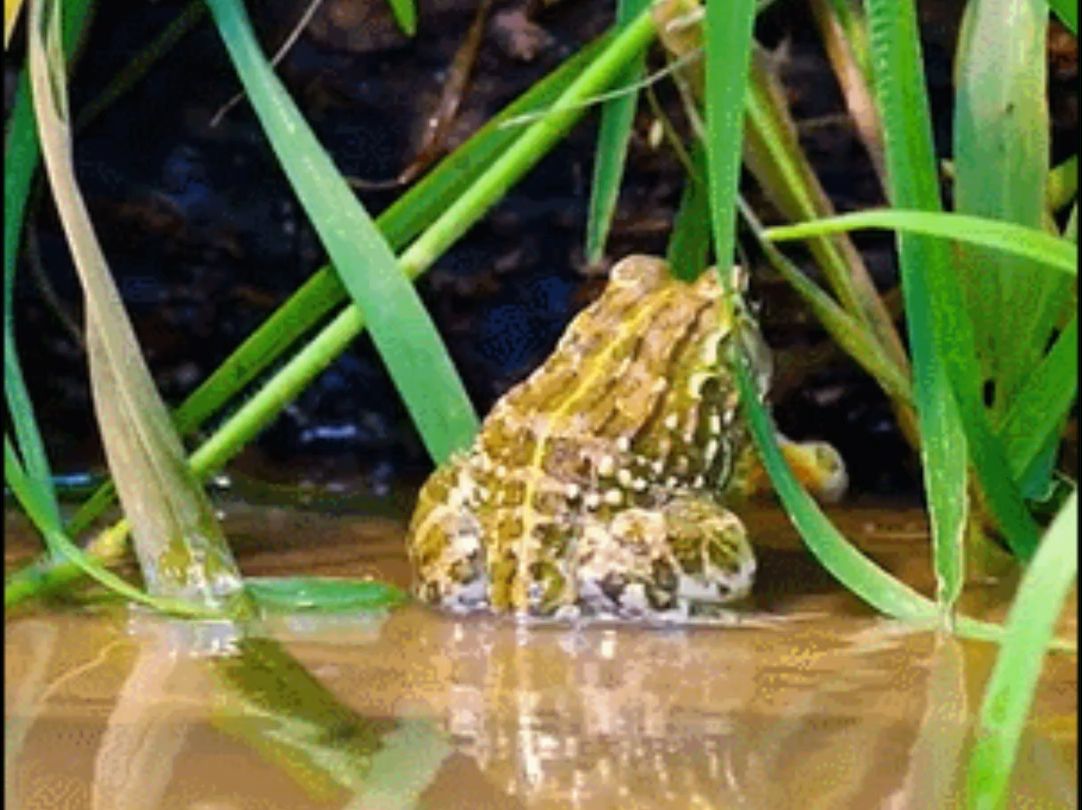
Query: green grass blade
[401,328]
[689,242]
[1001,110]
[324,594]
[847,564]
[613,135]
[1035,414]
[405,14]
[1052,252]
[1011,687]
[903,109]
[407,217]
[182,551]
[727,39]
[1067,11]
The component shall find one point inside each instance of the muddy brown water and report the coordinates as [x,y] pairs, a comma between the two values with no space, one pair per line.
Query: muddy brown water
[810,702]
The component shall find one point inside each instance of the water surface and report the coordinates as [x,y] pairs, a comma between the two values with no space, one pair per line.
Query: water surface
[810,702]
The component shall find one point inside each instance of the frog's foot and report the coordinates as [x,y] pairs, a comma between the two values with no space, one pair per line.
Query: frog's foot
[816,464]
[669,564]
[708,547]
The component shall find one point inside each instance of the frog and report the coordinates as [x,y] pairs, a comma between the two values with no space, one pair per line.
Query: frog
[600,485]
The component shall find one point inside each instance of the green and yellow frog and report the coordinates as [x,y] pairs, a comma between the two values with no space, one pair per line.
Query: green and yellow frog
[596,486]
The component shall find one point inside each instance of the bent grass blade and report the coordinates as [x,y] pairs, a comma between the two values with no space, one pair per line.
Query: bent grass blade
[181,549]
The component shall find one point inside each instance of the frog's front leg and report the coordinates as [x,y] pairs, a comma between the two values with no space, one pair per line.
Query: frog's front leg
[684,558]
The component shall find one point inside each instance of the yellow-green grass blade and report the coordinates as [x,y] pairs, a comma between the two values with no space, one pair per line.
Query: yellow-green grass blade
[21,152]
[613,135]
[689,242]
[182,551]
[844,34]
[1051,252]
[142,63]
[11,15]
[1013,683]
[903,109]
[1067,11]
[401,328]
[1001,164]
[774,156]
[294,375]
[851,335]
[399,223]
[1062,185]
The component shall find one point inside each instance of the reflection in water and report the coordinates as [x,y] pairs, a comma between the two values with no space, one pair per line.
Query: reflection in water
[819,706]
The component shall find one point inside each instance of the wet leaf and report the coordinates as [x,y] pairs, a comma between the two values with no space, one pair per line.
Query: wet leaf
[323,593]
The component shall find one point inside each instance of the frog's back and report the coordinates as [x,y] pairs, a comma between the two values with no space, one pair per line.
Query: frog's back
[633,406]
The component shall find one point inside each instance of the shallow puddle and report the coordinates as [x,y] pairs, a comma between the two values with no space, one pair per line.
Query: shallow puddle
[809,702]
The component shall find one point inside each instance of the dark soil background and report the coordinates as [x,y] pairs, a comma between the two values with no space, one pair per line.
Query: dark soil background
[205,237]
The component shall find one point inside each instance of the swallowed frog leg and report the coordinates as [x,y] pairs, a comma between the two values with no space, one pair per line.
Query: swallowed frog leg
[816,464]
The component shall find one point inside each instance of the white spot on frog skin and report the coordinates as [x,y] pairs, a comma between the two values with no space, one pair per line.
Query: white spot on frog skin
[633,599]
[671,421]
[593,500]
[623,444]
[698,482]
[659,385]
[696,382]
[715,424]
[639,484]
[614,497]
[501,471]
[623,477]
[606,466]
[710,451]
[657,466]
